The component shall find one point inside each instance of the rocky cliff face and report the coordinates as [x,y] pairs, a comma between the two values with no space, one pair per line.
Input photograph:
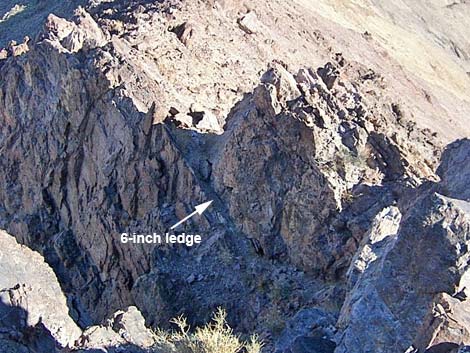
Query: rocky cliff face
[330,226]
[31,298]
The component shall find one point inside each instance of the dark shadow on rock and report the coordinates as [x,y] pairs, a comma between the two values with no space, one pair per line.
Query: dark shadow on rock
[443,347]
[312,345]
[18,337]
[389,159]
[355,220]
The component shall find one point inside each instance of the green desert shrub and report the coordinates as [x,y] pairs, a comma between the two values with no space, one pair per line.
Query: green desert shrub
[215,337]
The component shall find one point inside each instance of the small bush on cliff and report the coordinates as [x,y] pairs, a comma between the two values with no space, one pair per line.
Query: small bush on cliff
[215,337]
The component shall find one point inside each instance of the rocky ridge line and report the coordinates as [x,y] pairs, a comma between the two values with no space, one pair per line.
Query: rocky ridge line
[113,157]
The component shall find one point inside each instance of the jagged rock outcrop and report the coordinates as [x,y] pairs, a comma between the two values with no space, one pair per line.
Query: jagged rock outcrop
[78,202]
[454,171]
[306,147]
[445,326]
[105,169]
[31,299]
[34,316]
[326,201]
[397,292]
[124,328]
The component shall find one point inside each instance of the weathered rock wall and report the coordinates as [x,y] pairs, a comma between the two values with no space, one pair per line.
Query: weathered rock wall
[323,188]
[90,167]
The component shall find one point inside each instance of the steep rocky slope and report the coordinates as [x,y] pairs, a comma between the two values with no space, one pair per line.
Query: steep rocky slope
[428,38]
[398,287]
[328,212]
[34,314]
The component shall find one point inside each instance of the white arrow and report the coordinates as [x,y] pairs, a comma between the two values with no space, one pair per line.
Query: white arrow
[199,210]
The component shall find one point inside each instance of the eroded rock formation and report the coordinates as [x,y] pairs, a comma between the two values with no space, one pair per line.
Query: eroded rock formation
[330,226]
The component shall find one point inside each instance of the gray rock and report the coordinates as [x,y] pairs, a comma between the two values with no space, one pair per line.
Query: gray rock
[308,328]
[312,345]
[454,170]
[329,74]
[130,325]
[9,346]
[392,305]
[30,294]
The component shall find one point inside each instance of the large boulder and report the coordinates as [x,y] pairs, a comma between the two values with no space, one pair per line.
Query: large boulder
[454,170]
[307,150]
[399,282]
[124,328]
